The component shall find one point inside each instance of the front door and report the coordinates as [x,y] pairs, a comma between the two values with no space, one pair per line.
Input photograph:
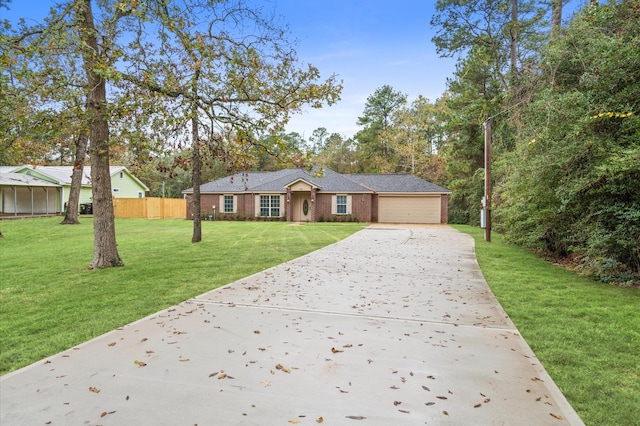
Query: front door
[302,207]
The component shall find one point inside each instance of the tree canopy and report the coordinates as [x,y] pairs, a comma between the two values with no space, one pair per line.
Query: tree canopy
[213,76]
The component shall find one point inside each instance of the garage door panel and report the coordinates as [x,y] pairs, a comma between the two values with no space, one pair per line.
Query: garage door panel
[408,209]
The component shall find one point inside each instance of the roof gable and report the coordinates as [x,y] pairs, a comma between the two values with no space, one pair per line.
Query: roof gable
[301,184]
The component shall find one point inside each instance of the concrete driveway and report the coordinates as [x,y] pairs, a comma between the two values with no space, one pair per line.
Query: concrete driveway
[394,325]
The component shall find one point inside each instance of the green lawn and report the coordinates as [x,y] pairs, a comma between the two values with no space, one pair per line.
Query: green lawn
[586,334]
[50,301]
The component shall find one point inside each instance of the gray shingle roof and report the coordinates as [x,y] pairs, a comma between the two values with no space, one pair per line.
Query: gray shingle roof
[325,179]
[396,182]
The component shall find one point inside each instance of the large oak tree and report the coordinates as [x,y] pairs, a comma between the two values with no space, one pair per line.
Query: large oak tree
[216,75]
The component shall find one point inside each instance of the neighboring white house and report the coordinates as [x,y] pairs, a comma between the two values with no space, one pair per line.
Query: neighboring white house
[48,190]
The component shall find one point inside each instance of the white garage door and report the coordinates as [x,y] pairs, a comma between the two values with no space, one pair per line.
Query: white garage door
[409,209]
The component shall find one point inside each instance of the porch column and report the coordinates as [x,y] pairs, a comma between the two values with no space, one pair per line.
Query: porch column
[31,191]
[289,206]
[313,204]
[15,200]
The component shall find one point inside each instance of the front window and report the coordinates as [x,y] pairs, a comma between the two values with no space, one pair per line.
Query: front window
[228,203]
[341,204]
[270,205]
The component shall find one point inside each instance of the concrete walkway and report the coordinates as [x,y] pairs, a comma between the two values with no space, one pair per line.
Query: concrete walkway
[391,326]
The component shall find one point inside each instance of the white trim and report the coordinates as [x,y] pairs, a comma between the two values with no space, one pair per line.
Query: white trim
[234,207]
[334,204]
[281,207]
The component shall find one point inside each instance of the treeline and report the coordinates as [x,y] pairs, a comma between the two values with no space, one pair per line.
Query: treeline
[565,112]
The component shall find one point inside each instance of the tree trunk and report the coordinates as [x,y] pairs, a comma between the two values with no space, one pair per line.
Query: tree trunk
[196,165]
[556,18]
[71,211]
[105,249]
[514,39]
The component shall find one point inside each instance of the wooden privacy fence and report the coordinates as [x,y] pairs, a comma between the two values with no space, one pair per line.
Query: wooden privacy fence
[150,208]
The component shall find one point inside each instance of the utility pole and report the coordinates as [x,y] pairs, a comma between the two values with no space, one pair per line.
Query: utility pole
[487,178]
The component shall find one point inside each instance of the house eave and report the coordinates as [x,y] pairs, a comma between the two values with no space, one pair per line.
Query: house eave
[402,194]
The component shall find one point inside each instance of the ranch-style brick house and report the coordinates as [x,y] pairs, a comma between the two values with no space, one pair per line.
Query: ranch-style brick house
[298,195]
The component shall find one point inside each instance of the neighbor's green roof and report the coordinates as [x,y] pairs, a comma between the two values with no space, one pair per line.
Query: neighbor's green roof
[62,174]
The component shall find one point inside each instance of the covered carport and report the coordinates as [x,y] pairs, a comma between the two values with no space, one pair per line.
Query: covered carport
[22,194]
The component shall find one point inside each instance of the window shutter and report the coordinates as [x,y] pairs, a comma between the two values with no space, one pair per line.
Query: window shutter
[221,204]
[282,206]
[235,204]
[256,205]
[348,204]
[334,204]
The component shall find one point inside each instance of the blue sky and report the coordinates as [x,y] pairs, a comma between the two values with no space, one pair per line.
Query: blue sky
[367,43]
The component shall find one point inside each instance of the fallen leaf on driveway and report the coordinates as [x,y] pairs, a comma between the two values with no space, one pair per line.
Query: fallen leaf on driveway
[282,368]
[94,389]
[356,417]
